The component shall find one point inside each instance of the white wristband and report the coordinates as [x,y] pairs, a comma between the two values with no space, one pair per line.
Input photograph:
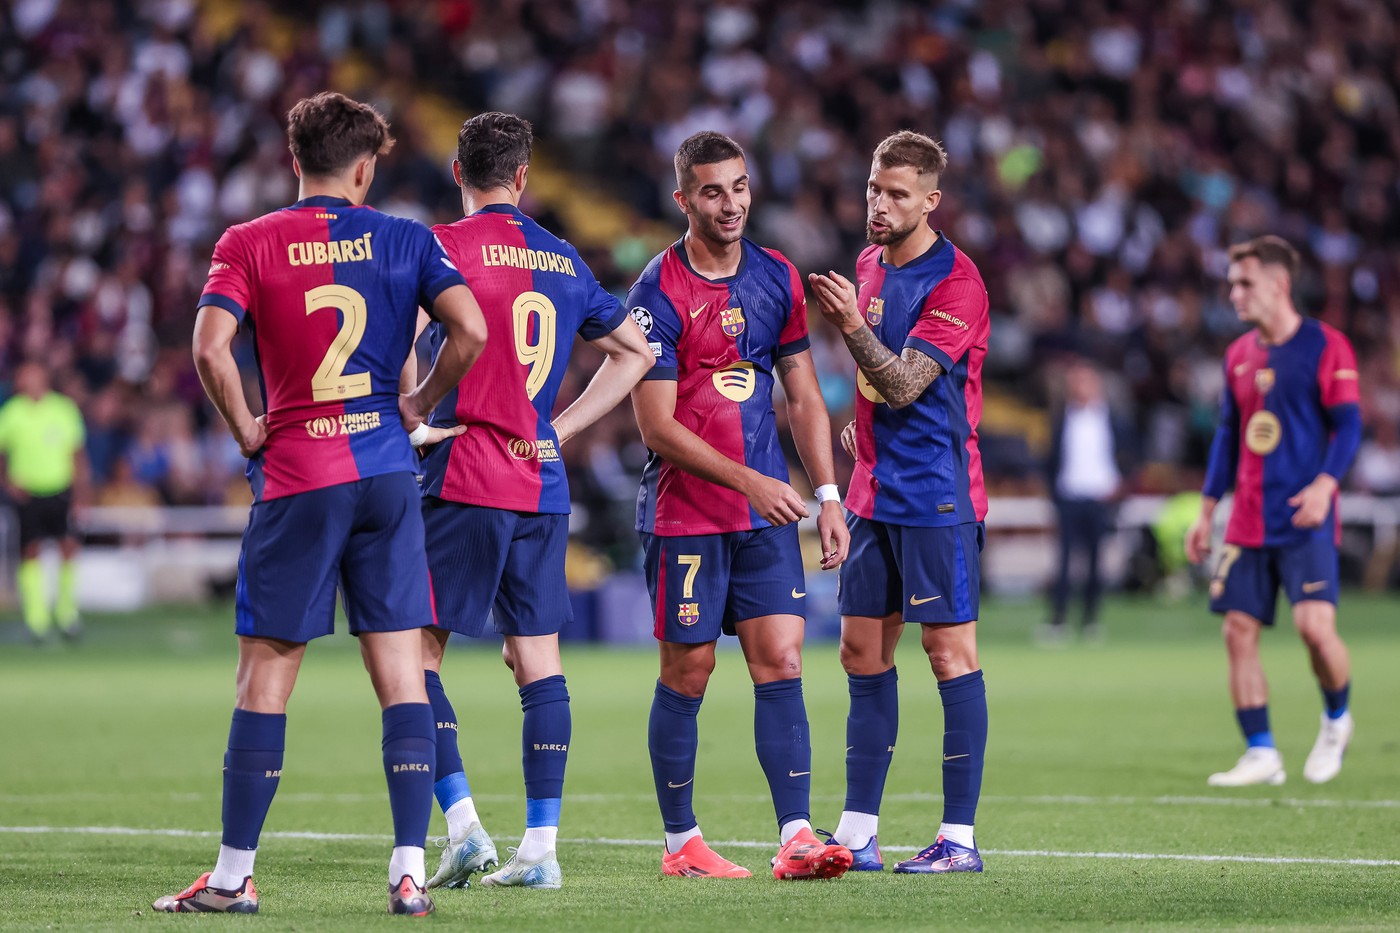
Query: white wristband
[419,435]
[829,493]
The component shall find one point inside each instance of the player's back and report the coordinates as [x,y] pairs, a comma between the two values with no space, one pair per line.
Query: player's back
[1283,395]
[720,339]
[920,464]
[536,295]
[330,292]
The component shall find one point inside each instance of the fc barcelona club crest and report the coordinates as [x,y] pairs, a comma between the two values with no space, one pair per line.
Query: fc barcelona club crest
[731,321]
[688,613]
[875,310]
[1264,381]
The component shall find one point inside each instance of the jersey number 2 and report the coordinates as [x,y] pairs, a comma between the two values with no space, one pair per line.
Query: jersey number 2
[538,354]
[331,382]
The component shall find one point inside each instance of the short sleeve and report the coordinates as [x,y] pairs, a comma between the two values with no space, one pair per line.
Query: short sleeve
[1336,372]
[602,312]
[793,338]
[229,285]
[77,430]
[436,271]
[660,324]
[950,320]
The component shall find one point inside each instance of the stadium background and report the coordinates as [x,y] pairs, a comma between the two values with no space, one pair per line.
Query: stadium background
[1103,154]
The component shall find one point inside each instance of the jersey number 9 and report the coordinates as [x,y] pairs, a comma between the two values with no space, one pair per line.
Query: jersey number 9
[535,350]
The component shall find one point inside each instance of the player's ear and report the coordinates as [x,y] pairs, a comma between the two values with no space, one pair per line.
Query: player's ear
[457,172]
[931,200]
[679,197]
[296,167]
[521,177]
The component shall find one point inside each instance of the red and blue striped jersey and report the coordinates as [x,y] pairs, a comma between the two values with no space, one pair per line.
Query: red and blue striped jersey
[537,295]
[330,292]
[919,465]
[1279,412]
[719,339]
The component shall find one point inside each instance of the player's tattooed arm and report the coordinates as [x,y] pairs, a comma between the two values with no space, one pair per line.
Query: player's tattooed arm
[900,379]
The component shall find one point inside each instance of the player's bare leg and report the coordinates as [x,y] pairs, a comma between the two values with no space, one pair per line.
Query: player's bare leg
[545,736]
[1249,689]
[1316,621]
[867,655]
[65,610]
[395,664]
[267,672]
[467,849]
[772,648]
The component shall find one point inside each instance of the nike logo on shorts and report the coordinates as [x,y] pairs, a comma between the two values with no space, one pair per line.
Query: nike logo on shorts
[916,601]
[1314,587]
[797,595]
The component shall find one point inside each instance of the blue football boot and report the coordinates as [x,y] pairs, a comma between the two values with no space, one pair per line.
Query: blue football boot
[940,858]
[866,858]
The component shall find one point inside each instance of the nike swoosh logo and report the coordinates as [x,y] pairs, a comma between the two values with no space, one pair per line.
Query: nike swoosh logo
[681,784]
[951,757]
[797,595]
[698,311]
[797,773]
[916,601]
[1314,587]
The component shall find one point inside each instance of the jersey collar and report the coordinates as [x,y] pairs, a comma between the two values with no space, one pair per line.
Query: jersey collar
[679,247]
[323,200]
[498,208]
[939,242]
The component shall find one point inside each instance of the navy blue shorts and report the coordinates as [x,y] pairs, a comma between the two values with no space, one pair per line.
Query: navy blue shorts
[1247,579]
[702,585]
[509,563]
[365,536]
[931,575]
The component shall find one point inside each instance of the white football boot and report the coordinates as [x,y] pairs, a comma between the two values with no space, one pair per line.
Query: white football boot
[1325,759]
[1256,766]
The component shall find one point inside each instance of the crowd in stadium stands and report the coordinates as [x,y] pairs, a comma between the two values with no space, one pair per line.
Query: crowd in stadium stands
[1102,155]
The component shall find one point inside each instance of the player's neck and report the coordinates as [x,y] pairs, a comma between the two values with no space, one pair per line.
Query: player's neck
[911,247]
[710,259]
[474,199]
[1281,327]
[330,188]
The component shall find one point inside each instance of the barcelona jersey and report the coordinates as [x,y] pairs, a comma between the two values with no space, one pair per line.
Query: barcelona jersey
[719,339]
[919,465]
[330,292]
[1276,424]
[536,295]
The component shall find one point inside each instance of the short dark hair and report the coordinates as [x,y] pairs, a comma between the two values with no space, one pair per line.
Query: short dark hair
[1270,251]
[491,146]
[328,132]
[922,153]
[705,148]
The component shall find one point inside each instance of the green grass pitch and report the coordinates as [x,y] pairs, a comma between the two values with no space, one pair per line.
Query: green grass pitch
[1095,810]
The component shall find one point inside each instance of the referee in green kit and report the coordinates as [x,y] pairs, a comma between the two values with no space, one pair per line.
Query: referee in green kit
[41,441]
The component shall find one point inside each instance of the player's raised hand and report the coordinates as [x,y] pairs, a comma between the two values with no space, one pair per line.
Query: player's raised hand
[1198,539]
[1313,502]
[836,300]
[848,439]
[776,501]
[835,536]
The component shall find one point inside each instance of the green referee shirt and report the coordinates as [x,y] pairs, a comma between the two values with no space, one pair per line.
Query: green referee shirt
[38,440]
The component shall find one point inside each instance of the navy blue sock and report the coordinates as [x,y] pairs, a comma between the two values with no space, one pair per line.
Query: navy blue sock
[784,748]
[252,769]
[871,729]
[544,740]
[1254,723]
[1337,700]
[409,754]
[672,738]
[964,745]
[450,782]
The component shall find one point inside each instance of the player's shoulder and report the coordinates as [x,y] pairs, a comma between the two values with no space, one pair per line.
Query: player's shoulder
[651,272]
[770,257]
[1331,336]
[963,266]
[1240,346]
[869,256]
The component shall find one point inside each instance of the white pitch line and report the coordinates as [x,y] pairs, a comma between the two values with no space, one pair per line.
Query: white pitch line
[729,844]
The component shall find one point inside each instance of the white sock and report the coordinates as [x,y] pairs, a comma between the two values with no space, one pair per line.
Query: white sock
[959,833]
[538,842]
[676,841]
[407,860]
[232,867]
[460,816]
[792,828]
[856,828]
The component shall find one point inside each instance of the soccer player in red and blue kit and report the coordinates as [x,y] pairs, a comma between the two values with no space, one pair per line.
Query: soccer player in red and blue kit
[496,498]
[716,513]
[1290,423]
[330,290]
[917,326]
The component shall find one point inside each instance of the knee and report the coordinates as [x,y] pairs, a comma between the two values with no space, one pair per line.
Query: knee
[858,660]
[945,664]
[783,665]
[508,655]
[1241,634]
[689,678]
[1316,634]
